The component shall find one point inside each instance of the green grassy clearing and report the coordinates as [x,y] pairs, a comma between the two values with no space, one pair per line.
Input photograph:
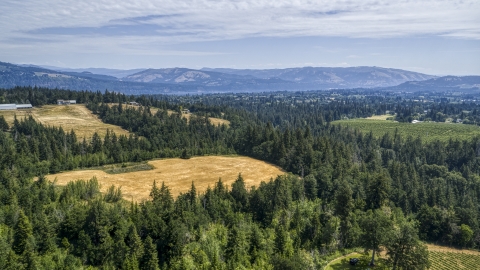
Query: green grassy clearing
[426,131]
[127,167]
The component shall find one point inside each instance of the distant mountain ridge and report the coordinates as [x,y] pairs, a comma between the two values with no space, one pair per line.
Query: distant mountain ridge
[442,83]
[335,77]
[198,77]
[14,75]
[86,74]
[117,73]
[206,80]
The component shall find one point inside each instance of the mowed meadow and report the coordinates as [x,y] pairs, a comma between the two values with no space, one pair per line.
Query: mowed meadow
[178,174]
[427,131]
[70,117]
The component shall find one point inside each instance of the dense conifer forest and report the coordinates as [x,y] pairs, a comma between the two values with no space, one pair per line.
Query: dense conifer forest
[345,189]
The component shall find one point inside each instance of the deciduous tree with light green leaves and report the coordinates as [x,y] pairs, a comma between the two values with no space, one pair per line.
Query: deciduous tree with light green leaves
[404,249]
[376,226]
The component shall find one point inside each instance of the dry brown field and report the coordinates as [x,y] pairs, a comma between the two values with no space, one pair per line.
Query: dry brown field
[213,121]
[153,110]
[178,175]
[379,117]
[76,117]
[219,121]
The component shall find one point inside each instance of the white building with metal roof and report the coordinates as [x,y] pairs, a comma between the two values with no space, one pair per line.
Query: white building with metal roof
[8,107]
[4,107]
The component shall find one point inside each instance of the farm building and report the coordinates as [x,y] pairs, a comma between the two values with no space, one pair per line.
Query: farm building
[24,106]
[66,101]
[185,111]
[15,106]
[8,107]
[133,103]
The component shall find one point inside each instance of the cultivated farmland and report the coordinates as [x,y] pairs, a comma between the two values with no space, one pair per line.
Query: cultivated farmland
[441,258]
[426,131]
[76,117]
[453,260]
[178,175]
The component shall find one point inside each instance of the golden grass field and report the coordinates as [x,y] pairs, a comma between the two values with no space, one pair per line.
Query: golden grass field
[76,117]
[153,110]
[213,121]
[379,117]
[178,175]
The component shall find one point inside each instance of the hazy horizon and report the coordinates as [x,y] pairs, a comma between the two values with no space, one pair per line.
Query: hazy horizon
[119,69]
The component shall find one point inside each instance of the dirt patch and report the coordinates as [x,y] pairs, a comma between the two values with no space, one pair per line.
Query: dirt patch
[178,175]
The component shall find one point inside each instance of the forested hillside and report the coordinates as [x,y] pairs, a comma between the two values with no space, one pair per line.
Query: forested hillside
[184,81]
[346,189]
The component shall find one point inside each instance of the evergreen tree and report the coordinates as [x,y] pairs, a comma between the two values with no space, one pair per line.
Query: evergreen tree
[155,192]
[134,243]
[192,195]
[283,242]
[131,263]
[378,191]
[239,193]
[23,233]
[3,124]
[29,257]
[185,154]
[310,187]
[150,257]
[165,198]
[237,248]
[343,208]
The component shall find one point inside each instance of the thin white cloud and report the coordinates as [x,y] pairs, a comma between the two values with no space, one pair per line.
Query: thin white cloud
[214,19]
[153,27]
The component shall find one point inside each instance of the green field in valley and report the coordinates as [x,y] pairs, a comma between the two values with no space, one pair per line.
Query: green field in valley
[428,131]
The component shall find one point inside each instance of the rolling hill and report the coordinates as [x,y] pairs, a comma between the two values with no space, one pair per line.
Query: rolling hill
[335,77]
[191,81]
[192,76]
[14,75]
[442,84]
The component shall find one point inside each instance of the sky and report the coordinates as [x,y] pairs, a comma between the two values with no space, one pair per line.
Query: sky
[438,37]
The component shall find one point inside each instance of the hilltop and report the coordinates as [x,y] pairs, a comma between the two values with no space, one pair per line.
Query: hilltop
[184,80]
